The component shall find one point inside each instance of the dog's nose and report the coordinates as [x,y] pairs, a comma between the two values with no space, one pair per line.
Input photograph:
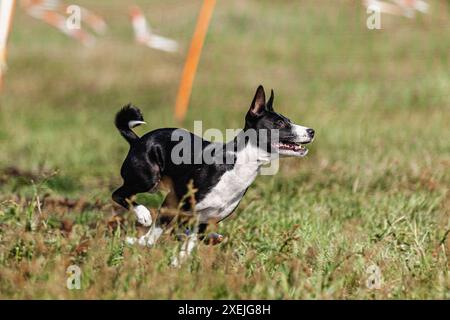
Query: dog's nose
[310,132]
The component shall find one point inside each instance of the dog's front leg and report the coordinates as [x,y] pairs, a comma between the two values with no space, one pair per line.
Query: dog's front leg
[186,249]
[150,238]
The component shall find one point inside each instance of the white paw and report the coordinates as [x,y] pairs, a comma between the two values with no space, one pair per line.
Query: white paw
[154,236]
[150,238]
[176,263]
[186,250]
[142,241]
[131,240]
[143,215]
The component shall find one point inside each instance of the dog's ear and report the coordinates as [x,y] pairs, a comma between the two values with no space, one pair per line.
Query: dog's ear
[259,102]
[269,104]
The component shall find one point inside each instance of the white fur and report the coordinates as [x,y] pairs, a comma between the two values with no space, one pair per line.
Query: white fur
[224,197]
[151,237]
[301,134]
[226,194]
[131,240]
[135,123]
[186,250]
[143,216]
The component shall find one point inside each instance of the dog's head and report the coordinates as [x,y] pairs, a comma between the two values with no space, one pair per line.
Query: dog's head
[284,137]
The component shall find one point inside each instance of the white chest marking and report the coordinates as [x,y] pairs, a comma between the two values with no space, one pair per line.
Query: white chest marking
[226,194]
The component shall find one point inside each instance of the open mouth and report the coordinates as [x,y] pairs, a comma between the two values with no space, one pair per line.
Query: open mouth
[292,148]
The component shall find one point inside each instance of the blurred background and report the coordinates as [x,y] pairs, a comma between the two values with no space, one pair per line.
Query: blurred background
[378,100]
[366,92]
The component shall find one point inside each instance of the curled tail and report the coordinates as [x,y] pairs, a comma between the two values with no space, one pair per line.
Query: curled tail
[127,118]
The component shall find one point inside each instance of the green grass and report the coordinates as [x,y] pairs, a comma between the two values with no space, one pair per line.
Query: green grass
[373,189]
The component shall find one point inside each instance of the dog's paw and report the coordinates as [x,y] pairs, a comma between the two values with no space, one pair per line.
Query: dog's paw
[142,241]
[131,240]
[176,262]
[143,215]
[150,239]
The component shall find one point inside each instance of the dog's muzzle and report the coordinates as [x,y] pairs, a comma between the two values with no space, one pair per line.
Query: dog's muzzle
[295,146]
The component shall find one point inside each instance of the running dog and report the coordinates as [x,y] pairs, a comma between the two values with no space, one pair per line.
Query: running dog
[153,161]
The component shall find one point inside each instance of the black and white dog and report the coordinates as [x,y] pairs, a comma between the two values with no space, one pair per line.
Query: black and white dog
[220,184]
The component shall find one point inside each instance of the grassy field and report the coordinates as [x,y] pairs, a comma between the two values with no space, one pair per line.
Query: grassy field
[372,191]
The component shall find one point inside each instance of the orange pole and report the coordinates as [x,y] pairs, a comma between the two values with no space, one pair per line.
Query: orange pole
[7,15]
[190,66]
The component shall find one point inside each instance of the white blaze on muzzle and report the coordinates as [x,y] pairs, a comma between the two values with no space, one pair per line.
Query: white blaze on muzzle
[301,134]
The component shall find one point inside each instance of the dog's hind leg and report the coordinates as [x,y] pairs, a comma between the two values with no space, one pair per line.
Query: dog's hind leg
[141,173]
[162,221]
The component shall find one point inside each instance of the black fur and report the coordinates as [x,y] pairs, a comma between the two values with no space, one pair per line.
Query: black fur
[123,117]
[149,158]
